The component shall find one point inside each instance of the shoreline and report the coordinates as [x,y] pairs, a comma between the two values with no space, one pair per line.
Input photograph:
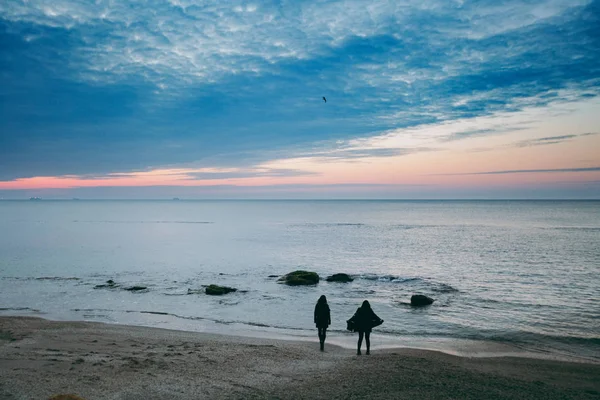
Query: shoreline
[459,347]
[40,358]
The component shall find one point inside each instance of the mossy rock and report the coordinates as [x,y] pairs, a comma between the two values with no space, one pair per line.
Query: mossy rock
[66,397]
[298,278]
[340,278]
[216,290]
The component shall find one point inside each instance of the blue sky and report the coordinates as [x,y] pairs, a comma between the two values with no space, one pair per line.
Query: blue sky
[232,90]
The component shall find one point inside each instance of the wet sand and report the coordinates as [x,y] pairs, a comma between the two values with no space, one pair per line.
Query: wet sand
[40,358]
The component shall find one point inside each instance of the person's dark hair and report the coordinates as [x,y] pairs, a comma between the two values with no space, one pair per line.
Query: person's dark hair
[366,305]
[322,300]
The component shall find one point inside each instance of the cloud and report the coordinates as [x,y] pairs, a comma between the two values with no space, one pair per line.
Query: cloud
[102,87]
[350,152]
[206,41]
[529,171]
[252,173]
[252,176]
[545,140]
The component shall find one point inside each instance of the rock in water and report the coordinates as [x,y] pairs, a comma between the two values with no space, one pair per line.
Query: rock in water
[298,278]
[216,290]
[420,300]
[110,284]
[136,288]
[340,278]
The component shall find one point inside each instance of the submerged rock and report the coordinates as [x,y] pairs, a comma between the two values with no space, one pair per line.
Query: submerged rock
[108,285]
[300,277]
[340,278]
[273,276]
[216,290]
[136,288]
[420,300]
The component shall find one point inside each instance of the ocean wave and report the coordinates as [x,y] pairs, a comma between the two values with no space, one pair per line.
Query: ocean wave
[574,228]
[19,309]
[414,226]
[154,312]
[327,224]
[386,278]
[41,278]
[438,287]
[145,222]
[525,340]
[192,318]
[364,291]
[582,347]
[383,225]
[444,226]
[57,278]
[517,304]
[444,288]
[532,337]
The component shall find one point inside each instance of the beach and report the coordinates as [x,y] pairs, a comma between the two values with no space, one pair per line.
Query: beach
[40,358]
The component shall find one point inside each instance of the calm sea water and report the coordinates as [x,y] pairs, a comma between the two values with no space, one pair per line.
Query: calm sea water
[507,276]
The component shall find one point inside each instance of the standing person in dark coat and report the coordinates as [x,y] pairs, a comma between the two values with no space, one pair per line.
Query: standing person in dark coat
[322,319]
[364,320]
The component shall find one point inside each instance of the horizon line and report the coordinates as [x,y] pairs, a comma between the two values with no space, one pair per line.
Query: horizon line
[175,199]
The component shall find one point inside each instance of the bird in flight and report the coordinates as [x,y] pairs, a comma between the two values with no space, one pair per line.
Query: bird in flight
[324,99]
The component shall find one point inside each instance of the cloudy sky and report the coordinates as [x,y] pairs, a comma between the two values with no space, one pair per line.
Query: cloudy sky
[209,99]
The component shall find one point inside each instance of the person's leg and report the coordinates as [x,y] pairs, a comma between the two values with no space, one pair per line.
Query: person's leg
[321,336]
[360,338]
[368,341]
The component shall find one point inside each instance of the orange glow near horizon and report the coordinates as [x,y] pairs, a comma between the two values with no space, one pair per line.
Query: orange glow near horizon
[429,159]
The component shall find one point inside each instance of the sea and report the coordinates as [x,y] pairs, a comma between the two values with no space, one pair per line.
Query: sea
[509,278]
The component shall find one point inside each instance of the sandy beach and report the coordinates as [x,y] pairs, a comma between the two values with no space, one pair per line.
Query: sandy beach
[41,358]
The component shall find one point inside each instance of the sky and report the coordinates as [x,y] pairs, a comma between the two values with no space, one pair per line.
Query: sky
[224,99]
